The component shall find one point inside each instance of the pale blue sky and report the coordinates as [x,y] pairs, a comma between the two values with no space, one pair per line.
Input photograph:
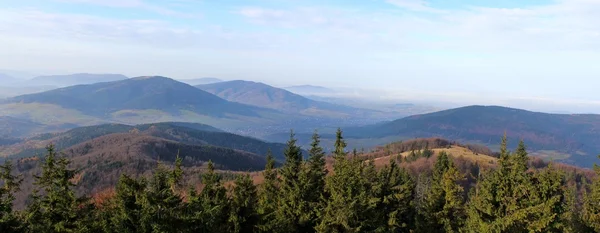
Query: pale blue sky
[512,52]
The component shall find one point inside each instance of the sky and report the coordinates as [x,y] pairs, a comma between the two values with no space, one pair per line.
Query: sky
[540,54]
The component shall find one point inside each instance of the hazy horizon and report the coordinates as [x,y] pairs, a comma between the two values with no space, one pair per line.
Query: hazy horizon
[533,54]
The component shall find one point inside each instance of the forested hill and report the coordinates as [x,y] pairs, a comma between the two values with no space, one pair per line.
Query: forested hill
[141,93]
[570,138]
[186,133]
[349,195]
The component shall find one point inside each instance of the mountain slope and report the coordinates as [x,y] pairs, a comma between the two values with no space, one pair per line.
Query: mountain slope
[263,95]
[156,93]
[572,138]
[186,133]
[75,79]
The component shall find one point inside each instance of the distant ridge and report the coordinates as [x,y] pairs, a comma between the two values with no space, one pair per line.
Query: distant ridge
[75,79]
[263,95]
[570,138]
[140,93]
[309,90]
[6,79]
[201,81]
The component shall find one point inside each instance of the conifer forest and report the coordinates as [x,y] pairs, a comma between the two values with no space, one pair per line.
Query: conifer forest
[304,194]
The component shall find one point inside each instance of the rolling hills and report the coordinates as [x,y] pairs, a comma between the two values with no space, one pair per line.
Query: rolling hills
[573,139]
[135,101]
[262,95]
[103,152]
[158,93]
[183,133]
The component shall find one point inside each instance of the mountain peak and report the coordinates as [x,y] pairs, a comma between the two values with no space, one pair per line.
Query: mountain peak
[151,77]
[140,93]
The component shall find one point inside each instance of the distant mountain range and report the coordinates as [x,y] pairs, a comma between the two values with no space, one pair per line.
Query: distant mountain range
[309,90]
[570,138]
[6,79]
[156,93]
[262,95]
[73,79]
[201,81]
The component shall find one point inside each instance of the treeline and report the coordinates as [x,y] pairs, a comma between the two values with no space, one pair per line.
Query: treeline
[303,196]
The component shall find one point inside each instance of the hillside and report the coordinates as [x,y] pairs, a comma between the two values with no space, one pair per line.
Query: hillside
[185,133]
[102,160]
[129,97]
[75,79]
[260,94]
[263,95]
[573,139]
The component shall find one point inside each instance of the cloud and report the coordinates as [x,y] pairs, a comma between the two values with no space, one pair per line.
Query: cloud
[109,3]
[140,4]
[415,5]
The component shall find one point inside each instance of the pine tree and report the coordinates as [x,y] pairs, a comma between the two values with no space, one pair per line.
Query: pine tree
[443,203]
[244,217]
[348,202]
[10,185]
[269,196]
[161,206]
[54,206]
[214,202]
[510,199]
[127,213]
[312,181]
[452,215]
[290,201]
[391,205]
[549,202]
[591,208]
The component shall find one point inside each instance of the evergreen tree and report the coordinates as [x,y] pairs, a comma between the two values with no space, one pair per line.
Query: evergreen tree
[393,209]
[269,196]
[290,201]
[444,201]
[510,199]
[10,185]
[244,217]
[591,208]
[127,213]
[161,206]
[348,202]
[452,215]
[214,208]
[312,180]
[54,206]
